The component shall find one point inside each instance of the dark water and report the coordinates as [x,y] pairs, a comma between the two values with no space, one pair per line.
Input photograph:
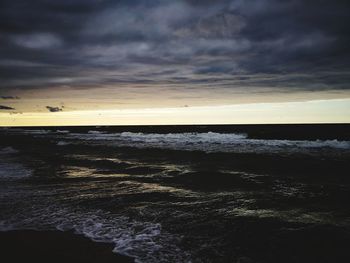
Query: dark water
[185,194]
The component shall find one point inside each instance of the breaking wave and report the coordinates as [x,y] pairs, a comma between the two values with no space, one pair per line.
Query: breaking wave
[144,241]
[210,142]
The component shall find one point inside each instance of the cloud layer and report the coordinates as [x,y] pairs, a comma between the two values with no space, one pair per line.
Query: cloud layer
[2,107]
[54,109]
[187,44]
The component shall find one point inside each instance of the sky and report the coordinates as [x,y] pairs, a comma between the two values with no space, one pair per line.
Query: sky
[93,62]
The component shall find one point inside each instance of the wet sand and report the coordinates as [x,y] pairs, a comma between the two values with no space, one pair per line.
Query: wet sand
[55,246]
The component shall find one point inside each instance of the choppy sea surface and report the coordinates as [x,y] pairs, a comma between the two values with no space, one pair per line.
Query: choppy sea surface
[204,196]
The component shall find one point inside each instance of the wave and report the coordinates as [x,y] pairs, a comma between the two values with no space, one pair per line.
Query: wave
[197,141]
[8,150]
[144,241]
[62,143]
[12,171]
[211,142]
[10,168]
[62,131]
[95,132]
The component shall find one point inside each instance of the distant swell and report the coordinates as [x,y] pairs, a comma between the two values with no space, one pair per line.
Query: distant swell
[211,142]
[196,141]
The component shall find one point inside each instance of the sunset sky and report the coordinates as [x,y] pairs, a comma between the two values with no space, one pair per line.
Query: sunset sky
[104,62]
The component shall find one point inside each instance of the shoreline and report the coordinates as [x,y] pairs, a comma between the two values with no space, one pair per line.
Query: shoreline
[301,131]
[56,246]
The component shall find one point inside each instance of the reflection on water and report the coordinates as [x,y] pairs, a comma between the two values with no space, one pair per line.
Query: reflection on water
[175,206]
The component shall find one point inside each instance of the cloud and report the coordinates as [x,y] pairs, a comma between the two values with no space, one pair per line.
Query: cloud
[37,41]
[54,109]
[10,97]
[97,43]
[2,107]
[221,25]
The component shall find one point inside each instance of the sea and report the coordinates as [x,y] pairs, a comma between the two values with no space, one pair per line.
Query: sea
[185,193]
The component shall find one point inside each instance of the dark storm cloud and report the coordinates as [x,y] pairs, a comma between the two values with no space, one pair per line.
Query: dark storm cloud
[10,97]
[54,109]
[2,107]
[296,44]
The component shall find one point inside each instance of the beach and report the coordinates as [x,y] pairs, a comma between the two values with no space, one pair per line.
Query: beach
[55,246]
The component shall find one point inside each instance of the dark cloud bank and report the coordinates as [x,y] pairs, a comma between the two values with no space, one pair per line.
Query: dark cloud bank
[295,44]
[2,107]
[10,97]
[54,109]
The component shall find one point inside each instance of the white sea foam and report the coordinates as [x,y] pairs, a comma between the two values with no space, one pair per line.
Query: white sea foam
[144,241]
[62,143]
[36,132]
[212,142]
[208,142]
[62,131]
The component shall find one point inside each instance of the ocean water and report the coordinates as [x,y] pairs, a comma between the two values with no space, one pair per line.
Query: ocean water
[202,195]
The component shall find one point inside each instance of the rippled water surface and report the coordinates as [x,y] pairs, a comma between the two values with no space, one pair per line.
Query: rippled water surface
[181,197]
